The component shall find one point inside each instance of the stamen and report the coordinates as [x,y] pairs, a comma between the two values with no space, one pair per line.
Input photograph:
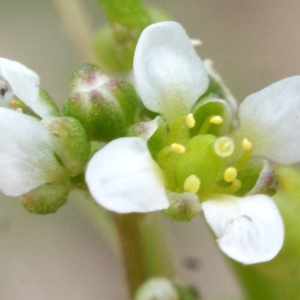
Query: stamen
[224,146]
[216,120]
[247,145]
[190,120]
[178,148]
[195,42]
[230,174]
[14,104]
[192,184]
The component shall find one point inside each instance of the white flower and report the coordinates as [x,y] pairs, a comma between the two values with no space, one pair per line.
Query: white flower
[26,155]
[170,77]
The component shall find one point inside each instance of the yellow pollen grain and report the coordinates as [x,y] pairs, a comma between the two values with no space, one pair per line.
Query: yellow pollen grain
[247,145]
[192,184]
[190,121]
[13,104]
[216,120]
[178,148]
[224,146]
[230,174]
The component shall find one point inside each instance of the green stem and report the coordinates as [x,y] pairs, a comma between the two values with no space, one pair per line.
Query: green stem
[130,235]
[75,22]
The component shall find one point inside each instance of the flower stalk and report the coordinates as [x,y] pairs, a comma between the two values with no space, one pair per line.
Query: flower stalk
[130,238]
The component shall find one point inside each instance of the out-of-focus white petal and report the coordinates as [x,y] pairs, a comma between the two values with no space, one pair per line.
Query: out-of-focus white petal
[270,119]
[26,156]
[169,75]
[249,230]
[124,178]
[209,66]
[145,130]
[23,81]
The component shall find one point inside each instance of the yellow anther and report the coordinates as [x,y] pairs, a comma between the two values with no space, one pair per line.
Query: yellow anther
[230,174]
[178,148]
[247,145]
[216,120]
[190,121]
[224,146]
[192,184]
[13,104]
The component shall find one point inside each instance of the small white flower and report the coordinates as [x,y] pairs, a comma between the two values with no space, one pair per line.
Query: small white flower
[170,78]
[26,155]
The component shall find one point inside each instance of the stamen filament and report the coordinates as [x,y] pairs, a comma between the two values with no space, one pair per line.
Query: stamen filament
[247,146]
[215,120]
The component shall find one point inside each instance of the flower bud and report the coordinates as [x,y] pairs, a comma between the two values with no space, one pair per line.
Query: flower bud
[157,288]
[70,142]
[104,106]
[46,199]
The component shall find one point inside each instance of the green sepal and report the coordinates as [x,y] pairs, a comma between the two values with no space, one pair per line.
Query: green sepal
[70,143]
[46,199]
[257,177]
[207,108]
[183,206]
[158,140]
[50,107]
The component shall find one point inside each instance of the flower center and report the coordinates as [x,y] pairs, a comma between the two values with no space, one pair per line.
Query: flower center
[224,146]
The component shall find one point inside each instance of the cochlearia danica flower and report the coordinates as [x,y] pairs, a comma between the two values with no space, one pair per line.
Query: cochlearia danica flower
[198,152]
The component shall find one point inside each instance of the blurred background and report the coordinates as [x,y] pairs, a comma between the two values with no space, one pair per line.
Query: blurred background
[63,256]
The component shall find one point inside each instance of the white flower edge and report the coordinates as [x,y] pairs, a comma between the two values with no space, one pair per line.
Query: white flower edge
[157,288]
[23,81]
[123,177]
[168,73]
[26,155]
[270,119]
[249,230]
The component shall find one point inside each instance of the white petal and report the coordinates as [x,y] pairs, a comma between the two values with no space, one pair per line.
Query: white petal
[26,156]
[145,130]
[249,230]
[168,73]
[270,119]
[23,81]
[124,178]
